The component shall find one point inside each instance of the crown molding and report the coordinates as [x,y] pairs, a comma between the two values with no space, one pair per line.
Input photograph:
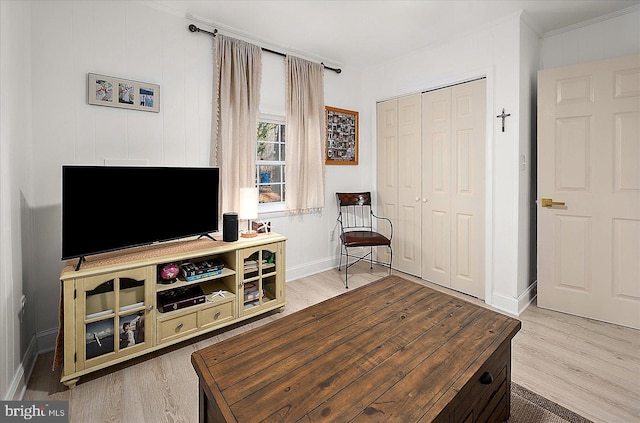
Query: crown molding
[598,19]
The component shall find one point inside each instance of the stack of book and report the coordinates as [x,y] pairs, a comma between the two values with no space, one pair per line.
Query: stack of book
[251,294]
[204,269]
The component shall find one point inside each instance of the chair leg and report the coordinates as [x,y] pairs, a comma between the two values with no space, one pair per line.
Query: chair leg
[346,270]
[390,258]
[371,258]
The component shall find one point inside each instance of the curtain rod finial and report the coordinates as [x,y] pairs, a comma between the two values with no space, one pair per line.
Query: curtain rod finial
[336,70]
[194,28]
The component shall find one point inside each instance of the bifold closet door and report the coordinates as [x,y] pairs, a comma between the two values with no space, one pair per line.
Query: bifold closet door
[399,177]
[453,187]
[387,166]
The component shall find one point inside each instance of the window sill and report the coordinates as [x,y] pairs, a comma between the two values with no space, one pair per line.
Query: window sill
[271,210]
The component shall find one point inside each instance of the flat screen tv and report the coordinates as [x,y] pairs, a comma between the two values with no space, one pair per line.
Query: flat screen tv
[106,208]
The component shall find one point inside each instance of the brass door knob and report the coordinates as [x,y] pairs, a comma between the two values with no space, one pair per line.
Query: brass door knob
[548,202]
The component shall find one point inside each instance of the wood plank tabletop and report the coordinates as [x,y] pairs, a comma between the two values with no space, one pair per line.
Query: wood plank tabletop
[393,349]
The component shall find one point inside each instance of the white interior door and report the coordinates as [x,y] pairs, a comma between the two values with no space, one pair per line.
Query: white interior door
[589,159]
[453,187]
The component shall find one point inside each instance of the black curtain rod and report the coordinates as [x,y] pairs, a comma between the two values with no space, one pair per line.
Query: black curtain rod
[194,28]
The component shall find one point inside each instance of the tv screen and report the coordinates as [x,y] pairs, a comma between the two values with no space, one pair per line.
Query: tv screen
[107,208]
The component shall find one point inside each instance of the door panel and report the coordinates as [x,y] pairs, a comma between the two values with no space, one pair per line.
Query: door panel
[436,183]
[407,255]
[387,164]
[588,155]
[467,202]
[453,187]
[573,242]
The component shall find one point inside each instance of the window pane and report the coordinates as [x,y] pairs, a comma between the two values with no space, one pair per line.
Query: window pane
[267,151]
[270,156]
[270,193]
[269,174]
[267,131]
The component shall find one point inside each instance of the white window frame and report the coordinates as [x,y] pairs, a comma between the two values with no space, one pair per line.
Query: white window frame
[264,208]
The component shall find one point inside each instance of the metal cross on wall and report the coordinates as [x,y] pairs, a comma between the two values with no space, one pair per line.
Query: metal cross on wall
[503,116]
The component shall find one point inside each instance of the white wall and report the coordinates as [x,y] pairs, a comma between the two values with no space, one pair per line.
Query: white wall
[529,63]
[124,39]
[610,36]
[492,52]
[17,340]
[133,41]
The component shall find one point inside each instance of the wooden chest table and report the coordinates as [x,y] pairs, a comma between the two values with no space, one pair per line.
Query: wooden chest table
[390,351]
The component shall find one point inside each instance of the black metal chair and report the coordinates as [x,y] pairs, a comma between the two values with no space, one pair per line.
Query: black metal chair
[357,220]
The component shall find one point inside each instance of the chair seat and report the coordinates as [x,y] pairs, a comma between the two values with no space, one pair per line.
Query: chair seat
[363,239]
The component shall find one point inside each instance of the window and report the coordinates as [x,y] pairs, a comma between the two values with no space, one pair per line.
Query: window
[270,177]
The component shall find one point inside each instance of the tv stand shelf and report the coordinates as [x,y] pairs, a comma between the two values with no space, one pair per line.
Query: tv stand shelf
[181,282]
[111,312]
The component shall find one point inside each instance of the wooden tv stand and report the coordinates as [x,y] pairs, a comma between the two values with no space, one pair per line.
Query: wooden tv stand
[116,291]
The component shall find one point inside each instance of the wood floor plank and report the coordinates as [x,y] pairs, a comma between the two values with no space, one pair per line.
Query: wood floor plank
[589,367]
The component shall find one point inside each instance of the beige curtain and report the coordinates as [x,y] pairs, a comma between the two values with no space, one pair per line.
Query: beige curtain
[304,149]
[237,96]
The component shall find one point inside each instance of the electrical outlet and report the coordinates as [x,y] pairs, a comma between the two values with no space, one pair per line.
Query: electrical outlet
[332,237]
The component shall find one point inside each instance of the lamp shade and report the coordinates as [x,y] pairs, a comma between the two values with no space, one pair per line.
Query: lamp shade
[248,203]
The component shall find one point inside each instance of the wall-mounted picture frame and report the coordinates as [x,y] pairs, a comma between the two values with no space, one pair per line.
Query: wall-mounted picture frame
[342,136]
[103,90]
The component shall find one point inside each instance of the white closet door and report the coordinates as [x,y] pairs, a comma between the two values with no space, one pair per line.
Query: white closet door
[468,159]
[387,163]
[453,187]
[399,167]
[436,186]
[407,253]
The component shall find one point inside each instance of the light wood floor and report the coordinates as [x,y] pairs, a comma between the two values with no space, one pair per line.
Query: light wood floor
[589,367]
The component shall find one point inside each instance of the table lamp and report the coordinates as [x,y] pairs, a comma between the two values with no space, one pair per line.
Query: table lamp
[248,209]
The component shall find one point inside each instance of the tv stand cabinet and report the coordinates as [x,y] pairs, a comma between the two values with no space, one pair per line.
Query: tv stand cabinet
[111,311]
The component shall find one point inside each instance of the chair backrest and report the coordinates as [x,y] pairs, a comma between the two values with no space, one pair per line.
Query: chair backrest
[354,210]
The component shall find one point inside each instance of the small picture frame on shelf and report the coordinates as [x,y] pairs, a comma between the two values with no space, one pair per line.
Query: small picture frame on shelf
[261,227]
[110,91]
[131,330]
[342,136]
[99,338]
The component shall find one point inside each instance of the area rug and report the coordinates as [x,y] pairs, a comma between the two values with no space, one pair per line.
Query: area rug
[529,407]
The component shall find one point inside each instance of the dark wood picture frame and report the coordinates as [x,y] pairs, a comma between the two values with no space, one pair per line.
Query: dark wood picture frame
[341,146]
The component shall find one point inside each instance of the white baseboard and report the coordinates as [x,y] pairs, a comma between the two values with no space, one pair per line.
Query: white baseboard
[515,305]
[311,268]
[21,378]
[47,340]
